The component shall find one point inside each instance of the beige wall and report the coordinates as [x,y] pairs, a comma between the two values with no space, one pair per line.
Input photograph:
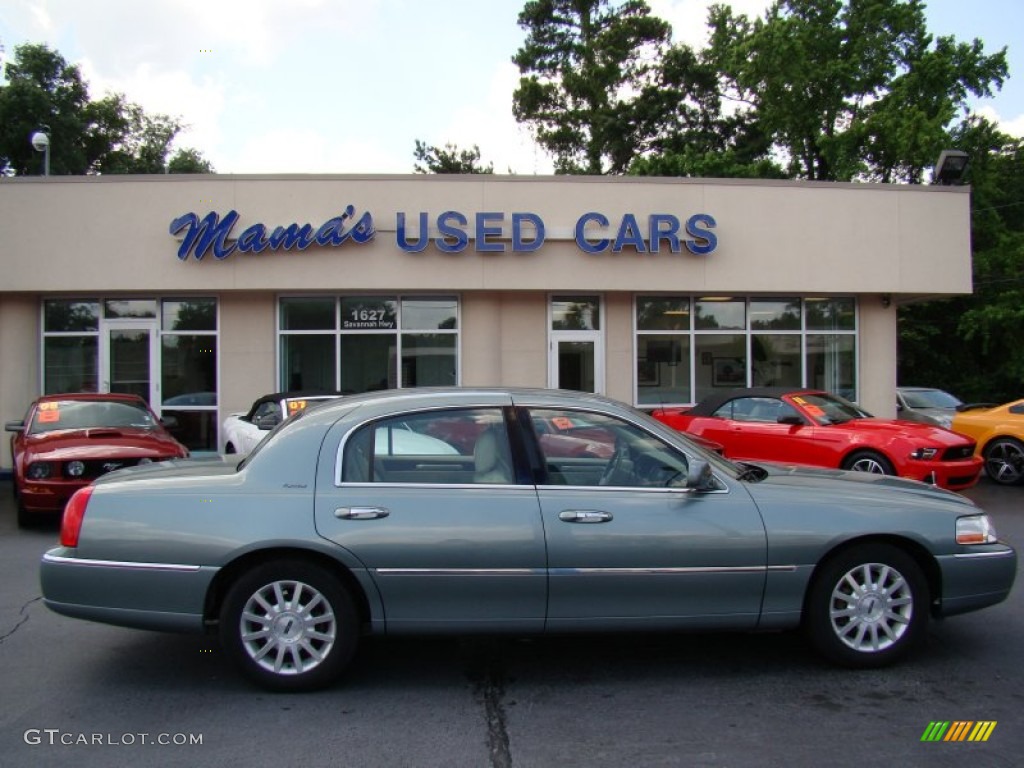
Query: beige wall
[108,236]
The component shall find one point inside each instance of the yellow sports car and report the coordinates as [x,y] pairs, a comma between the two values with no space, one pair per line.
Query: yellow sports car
[999,433]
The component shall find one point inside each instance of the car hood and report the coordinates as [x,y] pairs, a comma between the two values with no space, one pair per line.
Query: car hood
[100,443]
[863,484]
[925,433]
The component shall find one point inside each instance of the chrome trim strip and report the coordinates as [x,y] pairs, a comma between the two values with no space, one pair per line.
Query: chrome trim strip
[683,570]
[621,571]
[972,555]
[460,571]
[120,564]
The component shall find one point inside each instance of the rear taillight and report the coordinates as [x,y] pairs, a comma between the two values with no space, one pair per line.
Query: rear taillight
[74,514]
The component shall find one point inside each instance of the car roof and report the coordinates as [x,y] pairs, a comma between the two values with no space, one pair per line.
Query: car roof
[712,403]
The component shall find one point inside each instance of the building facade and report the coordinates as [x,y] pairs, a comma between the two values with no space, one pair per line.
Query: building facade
[202,293]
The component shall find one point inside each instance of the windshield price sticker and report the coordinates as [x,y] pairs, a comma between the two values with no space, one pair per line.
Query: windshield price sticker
[49,413]
[294,406]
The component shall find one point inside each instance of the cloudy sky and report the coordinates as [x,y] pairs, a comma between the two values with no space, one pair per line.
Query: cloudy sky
[347,86]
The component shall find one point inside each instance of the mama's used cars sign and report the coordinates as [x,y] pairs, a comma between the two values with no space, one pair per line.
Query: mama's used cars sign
[448,232]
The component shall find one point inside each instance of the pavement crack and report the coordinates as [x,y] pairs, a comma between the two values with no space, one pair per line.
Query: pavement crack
[23,613]
[487,674]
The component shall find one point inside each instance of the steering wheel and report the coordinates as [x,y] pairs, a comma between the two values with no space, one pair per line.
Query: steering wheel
[615,463]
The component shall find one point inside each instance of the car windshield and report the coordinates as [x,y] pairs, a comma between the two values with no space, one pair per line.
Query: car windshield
[828,409]
[929,398]
[89,414]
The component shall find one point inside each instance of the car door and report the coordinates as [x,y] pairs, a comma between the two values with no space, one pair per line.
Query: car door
[449,536]
[758,433]
[630,546]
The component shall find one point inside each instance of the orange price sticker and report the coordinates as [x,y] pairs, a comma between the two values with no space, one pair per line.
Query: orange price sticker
[48,415]
[562,422]
[814,410]
[296,405]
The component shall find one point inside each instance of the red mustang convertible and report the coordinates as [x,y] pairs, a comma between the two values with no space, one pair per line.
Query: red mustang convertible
[816,428]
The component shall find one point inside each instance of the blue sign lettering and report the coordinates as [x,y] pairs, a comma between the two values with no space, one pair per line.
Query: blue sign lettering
[213,233]
[704,241]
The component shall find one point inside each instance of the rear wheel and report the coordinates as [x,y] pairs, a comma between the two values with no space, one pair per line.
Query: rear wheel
[867,607]
[1004,461]
[289,625]
[869,461]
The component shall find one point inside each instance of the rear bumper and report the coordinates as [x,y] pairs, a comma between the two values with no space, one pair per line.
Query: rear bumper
[158,596]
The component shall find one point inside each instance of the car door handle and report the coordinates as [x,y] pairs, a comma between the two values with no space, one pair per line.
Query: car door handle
[360,513]
[584,516]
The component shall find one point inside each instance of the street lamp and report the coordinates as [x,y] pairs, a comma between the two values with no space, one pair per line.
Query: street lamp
[950,167]
[41,143]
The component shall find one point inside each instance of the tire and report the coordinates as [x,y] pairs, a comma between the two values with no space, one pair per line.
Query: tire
[289,625]
[868,461]
[867,606]
[25,518]
[1004,461]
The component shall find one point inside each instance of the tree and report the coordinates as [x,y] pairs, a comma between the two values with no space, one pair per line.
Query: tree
[849,89]
[111,135]
[589,85]
[431,159]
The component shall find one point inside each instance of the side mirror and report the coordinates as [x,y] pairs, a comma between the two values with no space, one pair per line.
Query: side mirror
[14,426]
[267,422]
[699,477]
[792,420]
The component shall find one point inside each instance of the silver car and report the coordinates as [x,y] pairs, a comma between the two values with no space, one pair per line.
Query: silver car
[926,405]
[527,511]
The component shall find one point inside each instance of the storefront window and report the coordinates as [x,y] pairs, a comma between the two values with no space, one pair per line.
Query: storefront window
[307,314]
[721,314]
[307,361]
[575,313]
[735,341]
[832,364]
[190,315]
[71,316]
[721,362]
[376,344]
[428,360]
[122,309]
[70,364]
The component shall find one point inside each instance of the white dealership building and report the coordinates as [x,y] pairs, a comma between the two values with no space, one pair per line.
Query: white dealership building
[204,292]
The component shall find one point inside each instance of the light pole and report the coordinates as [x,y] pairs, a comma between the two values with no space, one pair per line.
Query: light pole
[41,143]
[950,167]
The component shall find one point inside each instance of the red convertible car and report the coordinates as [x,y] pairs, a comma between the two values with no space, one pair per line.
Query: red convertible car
[67,441]
[815,428]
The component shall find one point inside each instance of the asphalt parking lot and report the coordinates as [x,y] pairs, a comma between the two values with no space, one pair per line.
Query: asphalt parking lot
[84,694]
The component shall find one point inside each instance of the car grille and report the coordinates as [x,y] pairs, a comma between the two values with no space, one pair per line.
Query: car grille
[94,469]
[959,453]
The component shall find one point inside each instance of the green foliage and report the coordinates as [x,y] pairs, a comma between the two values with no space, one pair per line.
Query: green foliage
[110,135]
[450,159]
[589,85]
[849,90]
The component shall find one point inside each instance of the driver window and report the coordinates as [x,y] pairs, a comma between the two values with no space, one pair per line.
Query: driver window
[590,449]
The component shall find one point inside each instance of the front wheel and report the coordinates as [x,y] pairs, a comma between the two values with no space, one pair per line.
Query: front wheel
[289,626]
[867,607]
[1004,461]
[869,461]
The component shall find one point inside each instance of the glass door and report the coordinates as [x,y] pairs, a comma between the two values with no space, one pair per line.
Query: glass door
[128,359]
[576,346]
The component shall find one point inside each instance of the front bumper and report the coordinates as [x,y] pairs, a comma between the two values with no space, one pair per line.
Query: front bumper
[976,579]
[953,475]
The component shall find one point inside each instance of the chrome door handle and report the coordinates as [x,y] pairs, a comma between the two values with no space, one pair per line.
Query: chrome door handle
[584,516]
[360,513]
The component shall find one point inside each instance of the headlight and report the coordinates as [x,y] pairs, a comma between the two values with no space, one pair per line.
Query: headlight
[39,470]
[75,469]
[924,454]
[976,529]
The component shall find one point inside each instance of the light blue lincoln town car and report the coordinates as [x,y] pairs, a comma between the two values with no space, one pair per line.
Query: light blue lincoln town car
[527,511]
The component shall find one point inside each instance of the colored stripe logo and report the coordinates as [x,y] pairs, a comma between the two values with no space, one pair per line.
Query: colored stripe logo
[959,730]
